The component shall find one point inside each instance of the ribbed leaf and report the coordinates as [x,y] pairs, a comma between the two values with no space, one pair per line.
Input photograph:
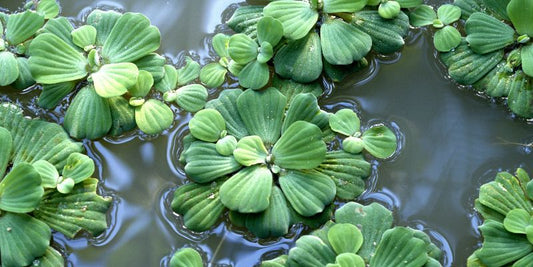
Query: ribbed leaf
[410,3]
[250,151]
[310,251]
[446,39]
[122,115]
[169,81]
[10,69]
[226,104]
[345,238]
[345,121]
[387,34]
[199,205]
[80,210]
[399,247]
[21,190]
[519,12]
[220,44]
[52,94]
[300,60]
[225,146]
[51,258]
[423,15]
[154,64]
[266,52]
[48,173]
[25,79]
[300,147]
[205,164]
[380,141]
[269,30]
[248,191]
[516,221]
[389,9]
[21,26]
[88,115]
[131,38]
[115,79]
[486,34]
[504,194]
[213,75]
[348,260]
[304,107]
[79,167]
[54,61]
[308,191]
[84,36]
[153,117]
[343,43]
[497,82]
[186,257]
[61,27]
[242,48]
[350,6]
[245,19]
[501,247]
[520,99]
[142,87]
[208,125]
[276,262]
[22,239]
[275,221]
[497,8]
[103,21]
[527,59]
[189,72]
[255,75]
[191,98]
[5,150]
[468,7]
[262,113]
[297,17]
[290,88]
[48,8]
[448,14]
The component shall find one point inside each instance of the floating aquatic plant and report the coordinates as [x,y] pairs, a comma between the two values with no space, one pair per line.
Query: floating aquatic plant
[35,198]
[446,37]
[214,74]
[361,236]
[186,257]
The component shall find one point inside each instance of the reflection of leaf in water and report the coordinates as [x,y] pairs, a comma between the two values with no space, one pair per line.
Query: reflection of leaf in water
[506,142]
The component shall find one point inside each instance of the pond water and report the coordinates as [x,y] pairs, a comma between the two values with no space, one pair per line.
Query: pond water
[453,141]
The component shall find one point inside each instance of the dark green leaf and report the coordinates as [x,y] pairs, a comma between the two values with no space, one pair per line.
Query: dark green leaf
[387,34]
[310,251]
[509,247]
[5,150]
[343,43]
[399,247]
[300,60]
[52,94]
[226,104]
[486,34]
[25,79]
[520,99]
[275,221]
[88,115]
[122,115]
[446,39]
[10,68]
[245,19]
[205,164]
[154,64]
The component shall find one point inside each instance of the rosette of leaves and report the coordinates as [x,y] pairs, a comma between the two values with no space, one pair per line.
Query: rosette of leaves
[112,55]
[324,35]
[507,230]
[378,140]
[361,236]
[214,74]
[265,163]
[34,198]
[186,257]
[446,37]
[496,57]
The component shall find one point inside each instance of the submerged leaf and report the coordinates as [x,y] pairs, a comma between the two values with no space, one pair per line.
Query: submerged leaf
[122,115]
[248,191]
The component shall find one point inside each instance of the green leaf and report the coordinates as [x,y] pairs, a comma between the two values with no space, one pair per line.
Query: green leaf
[213,75]
[220,43]
[84,36]
[300,147]
[527,59]
[144,83]
[248,191]
[509,247]
[423,15]
[54,61]
[186,257]
[521,95]
[48,8]
[345,238]
[52,258]
[497,8]
[448,14]
[88,115]
[310,251]
[486,34]
[122,115]
[208,125]
[387,34]
[191,98]
[205,164]
[60,27]
[297,17]
[22,239]
[269,30]
[21,190]
[519,12]
[48,173]
[250,151]
[300,60]
[115,79]
[22,26]
[373,220]
[153,117]
[468,7]
[225,146]
[410,3]
[154,64]
[399,247]
[169,81]
[24,79]
[5,150]
[189,72]
[516,221]
[345,121]
[274,221]
[380,141]
[245,19]
[304,107]
[242,48]
[80,210]
[266,52]
[226,104]
[255,75]
[525,261]
[103,21]
[350,6]
[308,191]
[503,194]
[389,9]
[79,167]
[52,94]
[353,145]
[10,68]
[276,262]
[496,83]
[262,113]
[343,43]
[131,38]
[290,88]
[199,205]
[446,39]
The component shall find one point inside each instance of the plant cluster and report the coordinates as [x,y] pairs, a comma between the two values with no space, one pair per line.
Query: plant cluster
[35,197]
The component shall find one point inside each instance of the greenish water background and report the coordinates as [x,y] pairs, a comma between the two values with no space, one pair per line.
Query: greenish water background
[453,141]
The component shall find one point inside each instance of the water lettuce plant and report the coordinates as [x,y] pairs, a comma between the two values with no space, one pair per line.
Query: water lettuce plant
[446,36]
[35,198]
[361,236]
[186,257]
[496,57]
[214,74]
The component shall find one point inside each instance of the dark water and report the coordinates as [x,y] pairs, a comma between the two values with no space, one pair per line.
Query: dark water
[453,141]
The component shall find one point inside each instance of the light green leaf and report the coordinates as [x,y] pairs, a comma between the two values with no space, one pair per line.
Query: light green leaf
[199,205]
[343,43]
[389,9]
[446,39]
[84,37]
[60,27]
[225,146]
[350,6]
[186,257]
[262,113]
[255,75]
[131,38]
[204,164]
[25,79]
[115,79]
[144,83]
[22,26]
[10,69]
[5,150]
[276,262]
[48,173]
[220,43]
[52,94]
[519,12]
[122,114]
[250,151]
[154,64]
[300,60]
[275,221]
[80,210]
[103,21]
[423,15]
[226,104]
[269,30]
[348,260]
[308,191]
[48,8]
[527,59]
[504,194]
[208,125]
[353,145]
[65,186]
[510,247]
[399,247]
[213,75]
[345,238]
[297,17]
[248,191]
[516,221]
[345,121]
[310,251]
[153,117]
[266,52]
[169,81]
[191,98]
[387,34]
[300,147]
[304,107]
[448,14]
[22,239]
[88,115]
[521,95]
[242,48]
[21,190]
[486,34]
[79,167]
[189,72]
[54,61]
[380,141]
[52,258]
[525,261]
